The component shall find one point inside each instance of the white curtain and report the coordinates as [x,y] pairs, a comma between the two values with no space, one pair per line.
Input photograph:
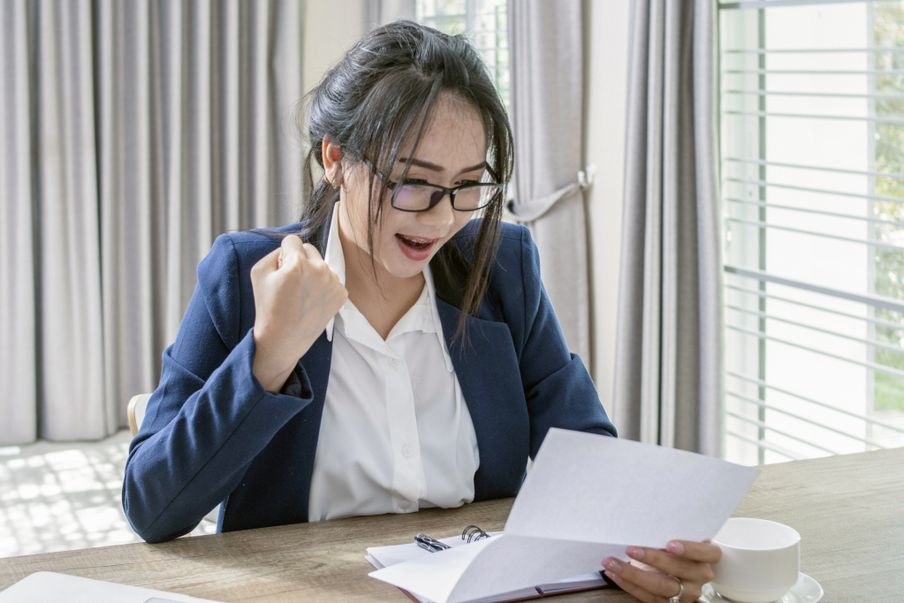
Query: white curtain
[131,133]
[547,49]
[669,344]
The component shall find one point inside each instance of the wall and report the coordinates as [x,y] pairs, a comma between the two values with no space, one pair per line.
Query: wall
[330,29]
[606,79]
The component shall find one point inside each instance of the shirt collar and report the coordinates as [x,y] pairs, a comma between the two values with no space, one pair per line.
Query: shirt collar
[426,320]
[334,258]
[430,290]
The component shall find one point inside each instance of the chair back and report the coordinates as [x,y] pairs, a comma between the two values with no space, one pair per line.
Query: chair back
[137,407]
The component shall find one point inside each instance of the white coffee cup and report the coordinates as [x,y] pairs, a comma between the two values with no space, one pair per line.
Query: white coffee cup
[760,560]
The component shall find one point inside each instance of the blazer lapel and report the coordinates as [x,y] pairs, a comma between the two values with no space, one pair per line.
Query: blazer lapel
[487,370]
[317,365]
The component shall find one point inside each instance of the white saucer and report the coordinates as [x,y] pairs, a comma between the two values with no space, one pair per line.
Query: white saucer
[806,590]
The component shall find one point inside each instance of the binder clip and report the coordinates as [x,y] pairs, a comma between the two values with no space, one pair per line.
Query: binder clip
[473,533]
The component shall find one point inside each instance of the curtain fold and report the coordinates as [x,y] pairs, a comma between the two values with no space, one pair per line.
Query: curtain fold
[546,40]
[18,278]
[668,385]
[133,133]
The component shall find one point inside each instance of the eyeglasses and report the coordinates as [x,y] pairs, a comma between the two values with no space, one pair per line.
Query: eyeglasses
[416,195]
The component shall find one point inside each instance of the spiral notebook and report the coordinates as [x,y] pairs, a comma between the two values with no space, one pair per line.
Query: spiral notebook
[585,498]
[385,556]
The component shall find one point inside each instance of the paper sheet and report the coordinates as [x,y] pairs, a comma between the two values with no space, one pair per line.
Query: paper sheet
[586,497]
[620,491]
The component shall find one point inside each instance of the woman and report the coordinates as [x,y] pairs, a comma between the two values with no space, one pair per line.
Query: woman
[396,354]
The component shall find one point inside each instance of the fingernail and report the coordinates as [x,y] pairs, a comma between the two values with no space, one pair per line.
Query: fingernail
[612,564]
[675,547]
[635,552]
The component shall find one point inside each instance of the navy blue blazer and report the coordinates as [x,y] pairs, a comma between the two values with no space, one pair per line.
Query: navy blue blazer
[212,434]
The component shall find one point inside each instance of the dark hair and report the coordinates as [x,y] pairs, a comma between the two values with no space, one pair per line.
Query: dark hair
[382,92]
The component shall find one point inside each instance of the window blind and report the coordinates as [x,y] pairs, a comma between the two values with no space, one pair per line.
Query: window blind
[812,169]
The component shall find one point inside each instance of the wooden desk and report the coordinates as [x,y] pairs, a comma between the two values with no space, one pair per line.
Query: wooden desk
[848,509]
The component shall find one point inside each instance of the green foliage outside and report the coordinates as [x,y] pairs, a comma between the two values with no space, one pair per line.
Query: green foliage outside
[889,159]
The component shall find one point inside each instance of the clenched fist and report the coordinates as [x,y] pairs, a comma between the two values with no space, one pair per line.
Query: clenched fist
[295,296]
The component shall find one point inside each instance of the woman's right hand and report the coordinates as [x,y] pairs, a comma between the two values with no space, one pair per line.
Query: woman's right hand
[295,296]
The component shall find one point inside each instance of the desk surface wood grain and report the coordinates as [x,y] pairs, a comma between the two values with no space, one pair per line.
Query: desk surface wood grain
[849,510]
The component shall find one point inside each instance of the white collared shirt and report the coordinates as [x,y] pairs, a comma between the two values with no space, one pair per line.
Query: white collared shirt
[396,434]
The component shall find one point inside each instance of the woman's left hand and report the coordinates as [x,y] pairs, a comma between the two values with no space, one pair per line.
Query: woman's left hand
[683,567]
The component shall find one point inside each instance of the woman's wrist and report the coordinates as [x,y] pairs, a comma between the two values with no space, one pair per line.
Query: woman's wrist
[270,367]
[271,382]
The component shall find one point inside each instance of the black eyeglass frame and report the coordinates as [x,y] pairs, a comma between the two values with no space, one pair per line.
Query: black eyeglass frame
[436,199]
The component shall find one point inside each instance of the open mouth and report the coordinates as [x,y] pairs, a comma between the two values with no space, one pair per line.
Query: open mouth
[415,242]
[416,249]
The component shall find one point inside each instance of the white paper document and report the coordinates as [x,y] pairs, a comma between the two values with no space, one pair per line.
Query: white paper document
[41,587]
[586,497]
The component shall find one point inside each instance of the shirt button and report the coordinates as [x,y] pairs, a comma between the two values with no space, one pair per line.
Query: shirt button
[407,451]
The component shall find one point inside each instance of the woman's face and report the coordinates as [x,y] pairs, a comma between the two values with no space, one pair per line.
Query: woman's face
[452,150]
